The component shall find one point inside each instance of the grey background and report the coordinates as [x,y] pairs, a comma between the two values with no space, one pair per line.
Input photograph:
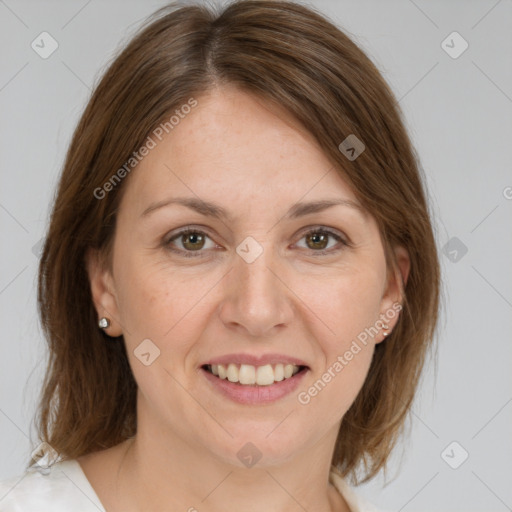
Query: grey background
[458,113]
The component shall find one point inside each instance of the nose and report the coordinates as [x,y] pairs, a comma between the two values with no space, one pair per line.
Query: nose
[256,299]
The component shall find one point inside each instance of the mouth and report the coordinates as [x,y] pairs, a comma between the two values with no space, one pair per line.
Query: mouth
[254,385]
[255,376]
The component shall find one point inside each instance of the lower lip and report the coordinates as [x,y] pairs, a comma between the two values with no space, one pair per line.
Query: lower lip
[245,394]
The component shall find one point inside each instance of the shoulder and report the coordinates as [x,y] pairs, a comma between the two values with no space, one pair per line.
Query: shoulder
[61,487]
[354,501]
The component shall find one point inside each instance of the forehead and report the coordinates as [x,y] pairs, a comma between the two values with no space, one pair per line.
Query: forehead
[234,148]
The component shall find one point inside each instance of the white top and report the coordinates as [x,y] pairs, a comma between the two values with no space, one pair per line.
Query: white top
[64,487]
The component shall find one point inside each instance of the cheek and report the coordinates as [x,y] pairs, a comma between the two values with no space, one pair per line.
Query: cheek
[347,303]
[159,302]
[349,306]
[347,353]
[164,307]
[336,389]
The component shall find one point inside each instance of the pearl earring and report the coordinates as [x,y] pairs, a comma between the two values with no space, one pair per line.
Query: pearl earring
[104,323]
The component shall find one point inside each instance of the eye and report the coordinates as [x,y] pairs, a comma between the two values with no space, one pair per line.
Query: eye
[191,241]
[317,240]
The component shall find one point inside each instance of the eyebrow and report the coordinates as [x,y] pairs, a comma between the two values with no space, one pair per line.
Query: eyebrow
[210,209]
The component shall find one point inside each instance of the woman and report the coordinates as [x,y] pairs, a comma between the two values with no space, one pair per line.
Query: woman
[239,282]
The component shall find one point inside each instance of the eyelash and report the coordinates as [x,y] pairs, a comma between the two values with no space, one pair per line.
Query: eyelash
[199,253]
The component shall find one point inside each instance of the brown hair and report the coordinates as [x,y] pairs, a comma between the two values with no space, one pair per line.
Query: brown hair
[283,52]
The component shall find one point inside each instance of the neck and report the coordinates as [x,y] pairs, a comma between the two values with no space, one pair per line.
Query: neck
[153,477]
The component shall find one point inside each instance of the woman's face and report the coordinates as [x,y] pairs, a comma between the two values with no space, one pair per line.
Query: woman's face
[247,287]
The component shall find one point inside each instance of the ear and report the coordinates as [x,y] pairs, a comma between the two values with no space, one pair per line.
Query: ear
[103,291]
[392,299]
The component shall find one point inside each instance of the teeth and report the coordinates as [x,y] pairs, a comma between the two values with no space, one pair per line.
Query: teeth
[232,372]
[279,372]
[247,374]
[265,375]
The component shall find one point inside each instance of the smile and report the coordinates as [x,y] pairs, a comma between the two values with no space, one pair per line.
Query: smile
[253,385]
[249,375]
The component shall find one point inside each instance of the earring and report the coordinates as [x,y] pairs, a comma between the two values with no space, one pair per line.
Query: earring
[104,323]
[385,333]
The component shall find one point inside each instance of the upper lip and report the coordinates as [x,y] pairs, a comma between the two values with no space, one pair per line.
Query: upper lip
[255,360]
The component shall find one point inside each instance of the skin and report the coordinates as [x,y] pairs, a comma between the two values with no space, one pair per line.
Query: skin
[256,161]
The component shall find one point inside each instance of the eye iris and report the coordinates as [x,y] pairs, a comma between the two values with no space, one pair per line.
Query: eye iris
[317,238]
[193,238]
